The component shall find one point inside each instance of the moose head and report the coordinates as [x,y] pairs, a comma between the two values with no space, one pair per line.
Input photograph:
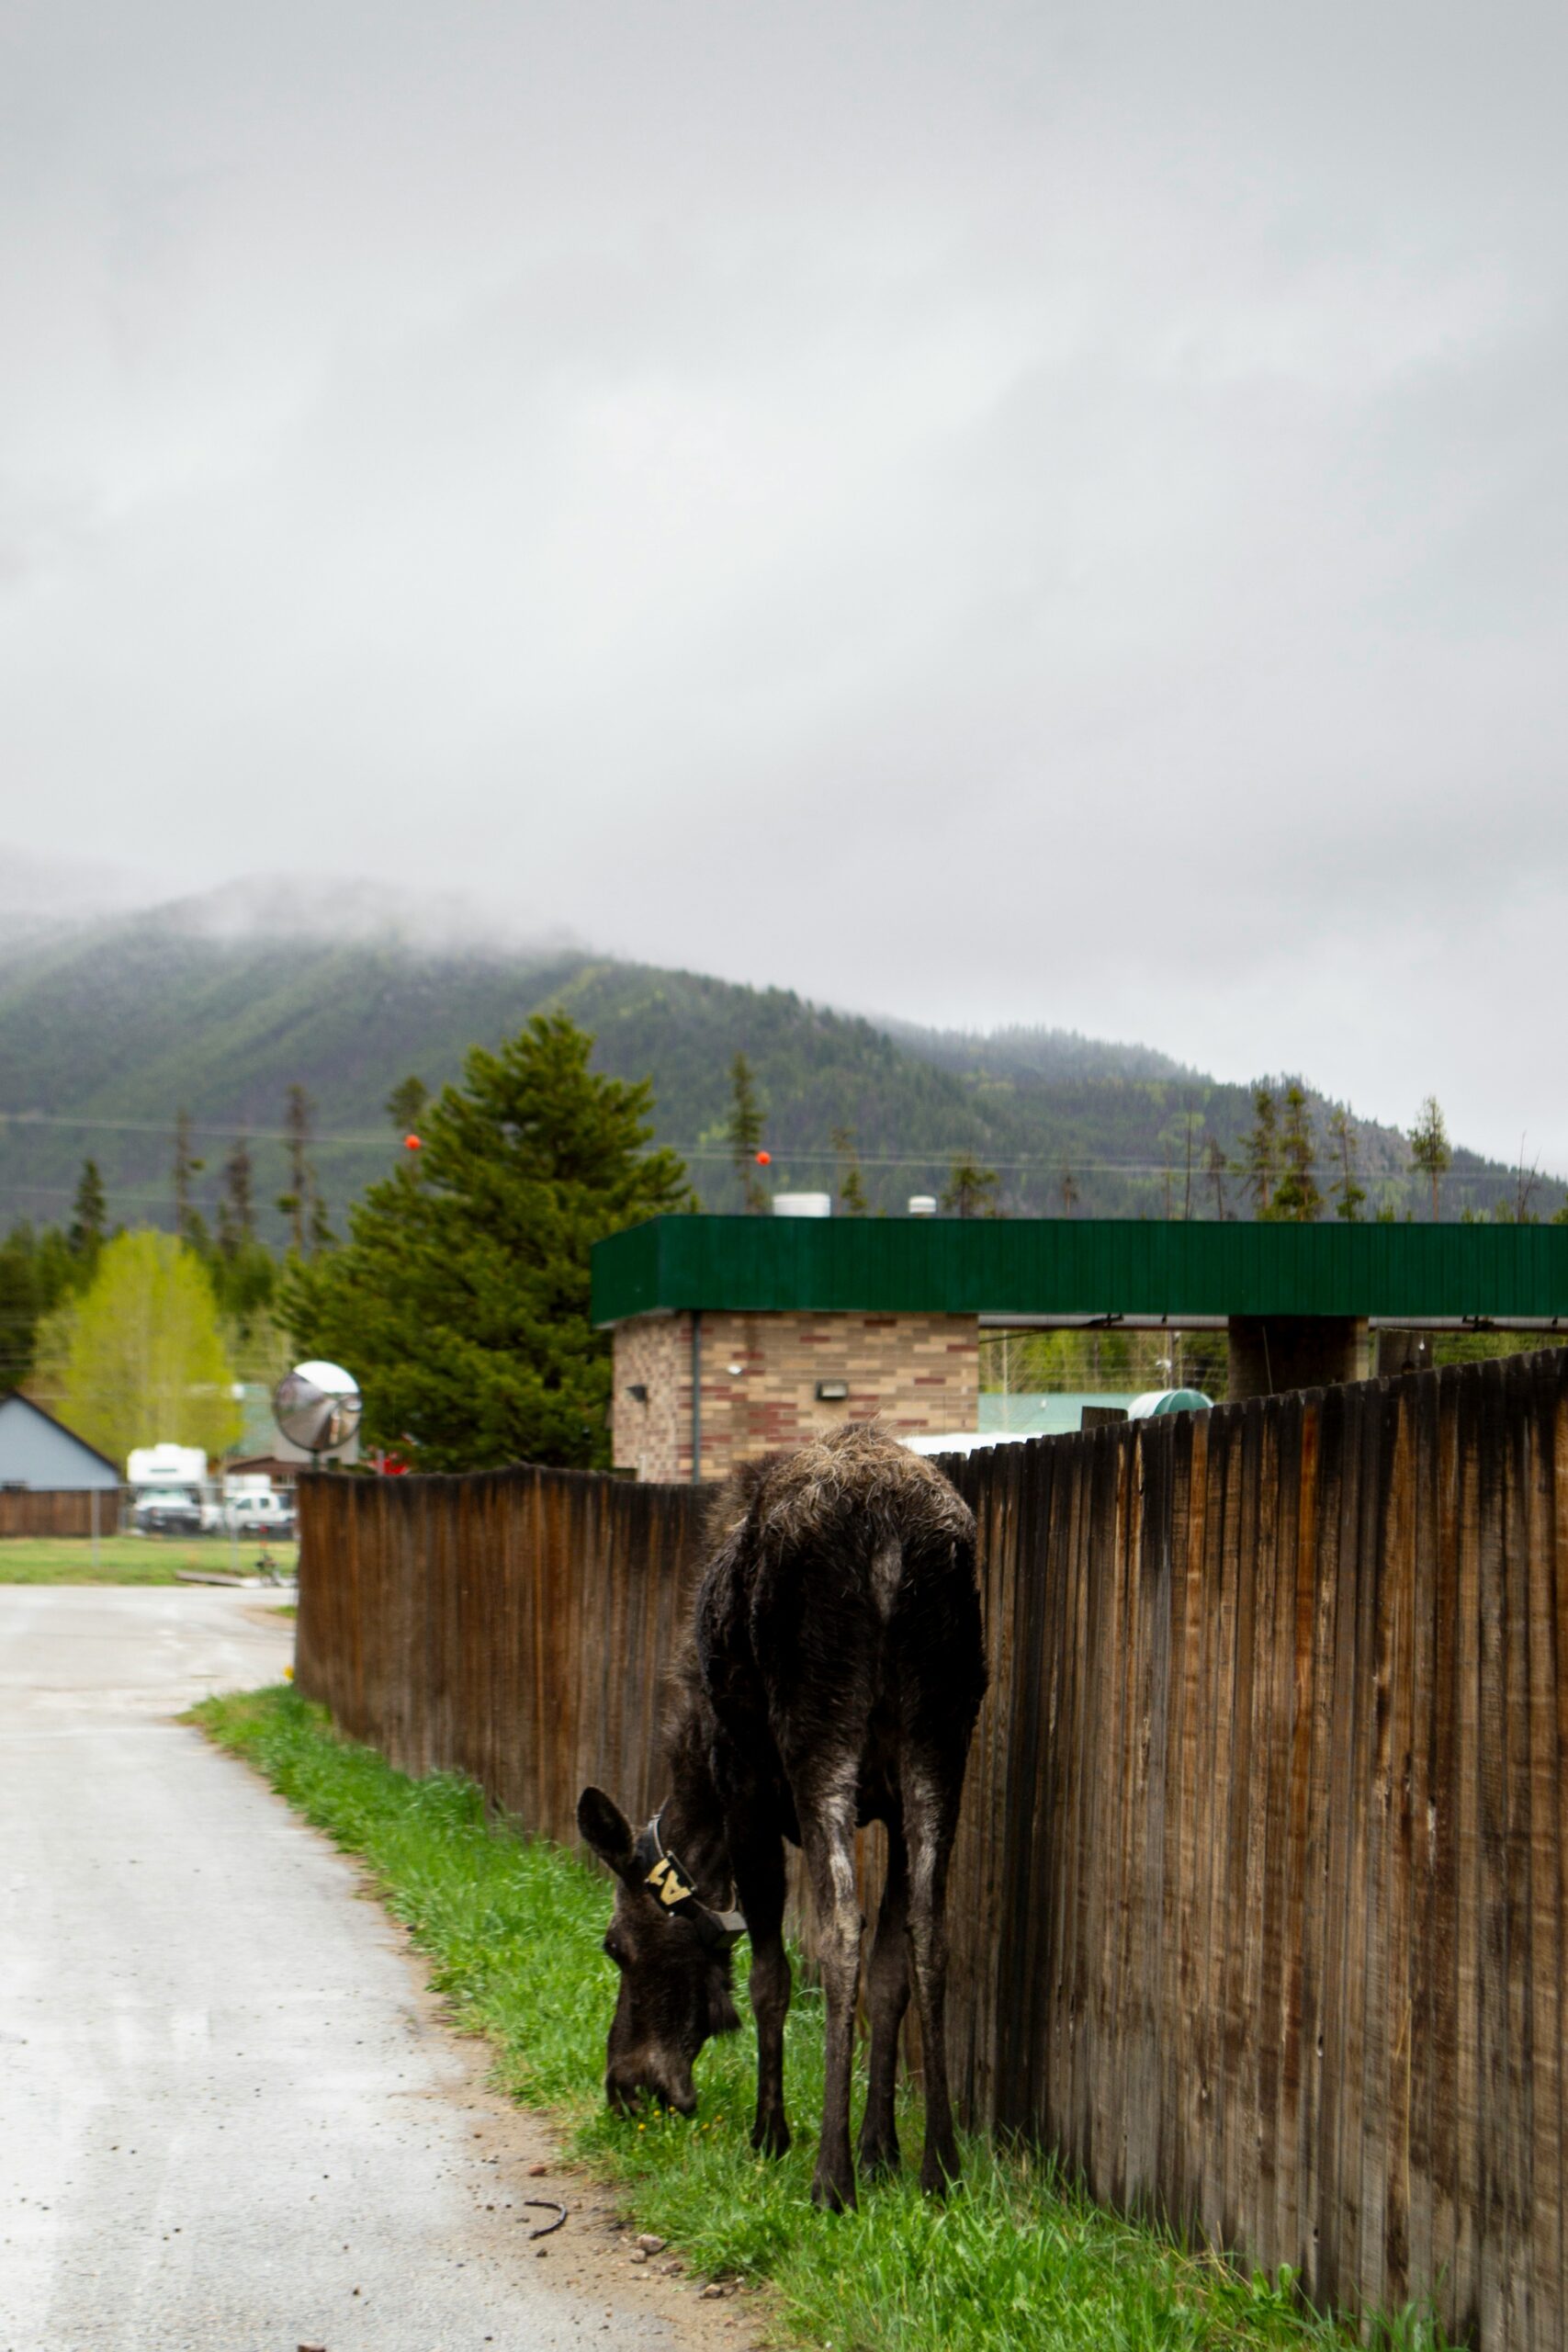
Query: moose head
[673,1952]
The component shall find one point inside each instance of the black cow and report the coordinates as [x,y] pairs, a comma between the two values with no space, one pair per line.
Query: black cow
[834,1677]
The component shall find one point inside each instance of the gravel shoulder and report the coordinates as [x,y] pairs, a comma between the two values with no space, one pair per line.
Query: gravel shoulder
[231,2113]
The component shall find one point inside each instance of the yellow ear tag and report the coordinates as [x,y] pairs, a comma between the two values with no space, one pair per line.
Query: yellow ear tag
[666,1879]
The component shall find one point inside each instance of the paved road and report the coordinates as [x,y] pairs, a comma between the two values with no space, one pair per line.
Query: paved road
[229,2118]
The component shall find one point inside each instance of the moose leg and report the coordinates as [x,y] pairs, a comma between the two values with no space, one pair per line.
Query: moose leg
[929,1816]
[760,1887]
[887,1997]
[829,1835]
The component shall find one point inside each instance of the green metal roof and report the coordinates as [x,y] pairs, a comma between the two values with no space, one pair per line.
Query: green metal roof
[1048,1266]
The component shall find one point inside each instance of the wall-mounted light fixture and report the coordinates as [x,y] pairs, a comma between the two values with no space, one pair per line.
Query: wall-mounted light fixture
[832,1391]
[638,1390]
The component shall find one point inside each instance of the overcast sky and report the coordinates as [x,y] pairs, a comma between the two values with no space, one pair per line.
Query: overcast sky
[979,512]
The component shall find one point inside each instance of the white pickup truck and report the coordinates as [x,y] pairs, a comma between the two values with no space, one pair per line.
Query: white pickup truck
[250,1510]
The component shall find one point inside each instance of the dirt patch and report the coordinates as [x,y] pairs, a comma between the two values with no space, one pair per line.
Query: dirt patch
[515,2154]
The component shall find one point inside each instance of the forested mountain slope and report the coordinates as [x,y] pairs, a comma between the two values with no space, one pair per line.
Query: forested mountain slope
[107,1033]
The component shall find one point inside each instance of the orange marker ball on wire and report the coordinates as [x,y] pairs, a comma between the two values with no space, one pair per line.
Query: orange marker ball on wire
[764,1159]
[412,1143]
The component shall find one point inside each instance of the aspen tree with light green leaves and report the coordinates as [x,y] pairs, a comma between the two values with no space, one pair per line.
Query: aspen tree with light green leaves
[139,1358]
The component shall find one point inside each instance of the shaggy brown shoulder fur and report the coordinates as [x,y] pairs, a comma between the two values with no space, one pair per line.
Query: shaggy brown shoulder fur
[856,1469]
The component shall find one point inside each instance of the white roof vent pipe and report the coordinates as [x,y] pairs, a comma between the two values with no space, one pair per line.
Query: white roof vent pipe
[803,1204]
[922,1205]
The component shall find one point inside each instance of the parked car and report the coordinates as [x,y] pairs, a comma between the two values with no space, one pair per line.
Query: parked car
[167,1510]
[269,1514]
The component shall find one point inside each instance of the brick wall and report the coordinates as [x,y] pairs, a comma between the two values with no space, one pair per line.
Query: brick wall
[916,1373]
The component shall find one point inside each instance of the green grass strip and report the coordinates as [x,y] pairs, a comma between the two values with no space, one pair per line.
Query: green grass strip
[1016,2257]
[131,1559]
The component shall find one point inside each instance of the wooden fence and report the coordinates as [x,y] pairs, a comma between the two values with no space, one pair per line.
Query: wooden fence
[1259,1906]
[66,1511]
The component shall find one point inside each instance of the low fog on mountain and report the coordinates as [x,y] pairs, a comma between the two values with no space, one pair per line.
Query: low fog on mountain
[984,515]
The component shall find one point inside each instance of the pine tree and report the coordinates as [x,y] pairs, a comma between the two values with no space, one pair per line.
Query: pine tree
[38,1272]
[237,1208]
[851,1185]
[189,1225]
[1297,1199]
[302,1204]
[1526,1183]
[970,1190]
[743,1133]
[1259,1163]
[1429,1147]
[1350,1194]
[1214,1167]
[244,1270]
[461,1303]
[404,1104]
[89,1214]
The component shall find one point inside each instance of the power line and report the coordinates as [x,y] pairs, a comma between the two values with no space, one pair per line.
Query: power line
[823,1155]
[228,1134]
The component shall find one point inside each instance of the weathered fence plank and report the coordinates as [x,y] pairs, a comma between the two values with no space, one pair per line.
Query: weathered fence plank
[68,1511]
[1259,1901]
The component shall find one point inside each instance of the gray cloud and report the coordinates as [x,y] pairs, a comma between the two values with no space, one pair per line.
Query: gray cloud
[979,515]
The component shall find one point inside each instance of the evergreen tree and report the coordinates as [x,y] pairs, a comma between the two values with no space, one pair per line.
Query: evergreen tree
[89,1214]
[302,1204]
[461,1303]
[39,1271]
[237,1208]
[1260,1162]
[743,1133]
[1350,1194]
[189,1225]
[851,1187]
[1067,1184]
[1297,1199]
[405,1104]
[1214,1167]
[1429,1147]
[243,1269]
[1525,1183]
[970,1190]
[20,1306]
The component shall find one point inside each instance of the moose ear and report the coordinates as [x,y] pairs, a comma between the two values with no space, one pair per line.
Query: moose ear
[606,1828]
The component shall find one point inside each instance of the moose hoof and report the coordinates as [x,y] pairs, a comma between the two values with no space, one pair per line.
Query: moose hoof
[833,2196]
[771,2136]
[880,2159]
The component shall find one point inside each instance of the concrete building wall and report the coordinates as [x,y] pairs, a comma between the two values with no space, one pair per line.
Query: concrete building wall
[760,1374]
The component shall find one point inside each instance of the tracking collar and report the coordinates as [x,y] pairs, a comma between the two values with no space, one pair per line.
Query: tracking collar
[662,1874]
